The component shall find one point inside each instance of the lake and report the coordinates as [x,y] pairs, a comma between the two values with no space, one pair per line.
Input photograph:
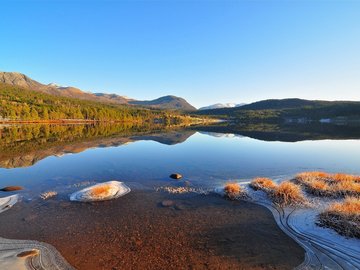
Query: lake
[149,227]
[41,158]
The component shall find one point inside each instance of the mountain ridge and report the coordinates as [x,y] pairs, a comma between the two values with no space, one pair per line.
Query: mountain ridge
[21,80]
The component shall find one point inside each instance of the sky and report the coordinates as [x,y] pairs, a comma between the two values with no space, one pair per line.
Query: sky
[204,51]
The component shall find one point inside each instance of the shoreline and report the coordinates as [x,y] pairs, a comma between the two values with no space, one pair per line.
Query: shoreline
[195,121]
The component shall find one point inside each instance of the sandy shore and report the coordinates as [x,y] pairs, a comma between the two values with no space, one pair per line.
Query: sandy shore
[137,232]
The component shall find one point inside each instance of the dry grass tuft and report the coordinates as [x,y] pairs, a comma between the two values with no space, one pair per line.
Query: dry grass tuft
[101,190]
[261,183]
[343,217]
[333,185]
[288,193]
[341,177]
[349,207]
[233,191]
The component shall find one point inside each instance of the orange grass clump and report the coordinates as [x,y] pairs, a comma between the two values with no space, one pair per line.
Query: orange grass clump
[343,217]
[100,190]
[341,177]
[233,190]
[263,184]
[287,193]
[350,206]
[335,185]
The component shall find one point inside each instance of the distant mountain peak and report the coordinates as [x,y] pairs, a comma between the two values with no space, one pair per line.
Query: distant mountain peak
[222,105]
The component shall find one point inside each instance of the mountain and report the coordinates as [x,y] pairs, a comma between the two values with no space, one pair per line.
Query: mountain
[21,80]
[166,102]
[221,105]
[291,109]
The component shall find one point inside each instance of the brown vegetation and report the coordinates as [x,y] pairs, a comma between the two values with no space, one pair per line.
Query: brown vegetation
[286,193]
[333,185]
[263,184]
[343,217]
[233,191]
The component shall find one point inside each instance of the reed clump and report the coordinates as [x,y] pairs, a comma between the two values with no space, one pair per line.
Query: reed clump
[284,194]
[329,185]
[234,191]
[287,193]
[343,217]
[262,183]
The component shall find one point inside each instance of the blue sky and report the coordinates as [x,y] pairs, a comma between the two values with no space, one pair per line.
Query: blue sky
[206,52]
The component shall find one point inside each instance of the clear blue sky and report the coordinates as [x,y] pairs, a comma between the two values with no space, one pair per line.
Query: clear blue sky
[206,52]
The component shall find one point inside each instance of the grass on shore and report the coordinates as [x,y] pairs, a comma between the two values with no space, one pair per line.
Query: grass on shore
[343,217]
[286,193]
[234,191]
[265,184]
[330,185]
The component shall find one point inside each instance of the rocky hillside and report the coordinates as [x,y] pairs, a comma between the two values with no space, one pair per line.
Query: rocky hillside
[21,80]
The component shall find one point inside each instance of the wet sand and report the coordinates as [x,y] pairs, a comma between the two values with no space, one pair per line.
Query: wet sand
[137,232]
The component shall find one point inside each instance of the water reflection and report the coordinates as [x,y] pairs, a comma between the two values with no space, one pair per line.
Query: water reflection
[39,157]
[25,145]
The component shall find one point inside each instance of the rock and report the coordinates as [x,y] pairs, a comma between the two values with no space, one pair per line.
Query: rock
[101,192]
[11,188]
[179,207]
[175,176]
[167,203]
[28,253]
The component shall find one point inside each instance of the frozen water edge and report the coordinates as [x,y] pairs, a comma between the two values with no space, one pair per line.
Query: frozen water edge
[324,248]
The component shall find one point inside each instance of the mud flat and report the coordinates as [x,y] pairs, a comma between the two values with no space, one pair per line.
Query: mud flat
[137,231]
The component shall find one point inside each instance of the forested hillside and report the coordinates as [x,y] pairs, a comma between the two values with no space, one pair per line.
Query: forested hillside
[21,104]
[278,110]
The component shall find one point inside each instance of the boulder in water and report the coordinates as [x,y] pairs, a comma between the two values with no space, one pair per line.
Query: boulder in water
[175,176]
[101,192]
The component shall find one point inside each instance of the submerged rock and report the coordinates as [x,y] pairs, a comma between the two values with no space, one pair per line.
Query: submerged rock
[11,188]
[175,176]
[167,203]
[101,192]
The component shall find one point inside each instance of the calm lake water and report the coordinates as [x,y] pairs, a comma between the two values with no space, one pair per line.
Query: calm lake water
[42,160]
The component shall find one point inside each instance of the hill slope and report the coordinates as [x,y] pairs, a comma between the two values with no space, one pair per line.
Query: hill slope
[20,104]
[166,102]
[287,109]
[21,80]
